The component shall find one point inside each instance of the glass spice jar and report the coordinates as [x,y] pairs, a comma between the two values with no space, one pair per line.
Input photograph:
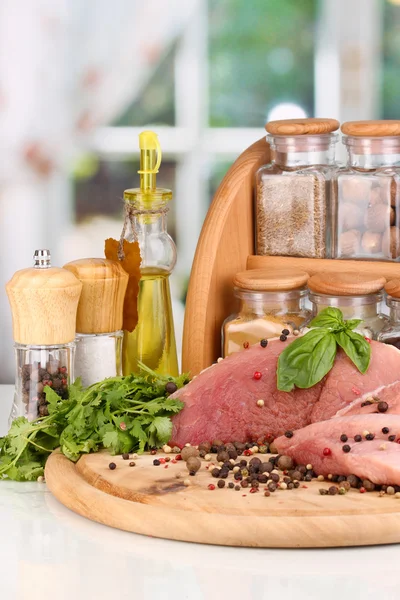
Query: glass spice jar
[36,368]
[268,303]
[390,334]
[44,302]
[366,194]
[293,191]
[358,296]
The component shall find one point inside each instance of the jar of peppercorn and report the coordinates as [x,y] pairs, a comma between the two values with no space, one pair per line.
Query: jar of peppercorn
[390,334]
[269,303]
[44,302]
[357,296]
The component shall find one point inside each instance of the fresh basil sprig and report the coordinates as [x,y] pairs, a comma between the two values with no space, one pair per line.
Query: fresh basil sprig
[309,358]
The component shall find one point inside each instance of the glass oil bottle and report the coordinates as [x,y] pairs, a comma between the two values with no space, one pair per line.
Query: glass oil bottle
[153,340]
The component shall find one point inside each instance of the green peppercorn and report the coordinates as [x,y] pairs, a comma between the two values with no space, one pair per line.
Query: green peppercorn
[323,492]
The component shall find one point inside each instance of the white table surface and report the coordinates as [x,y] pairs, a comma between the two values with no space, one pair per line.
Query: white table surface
[49,552]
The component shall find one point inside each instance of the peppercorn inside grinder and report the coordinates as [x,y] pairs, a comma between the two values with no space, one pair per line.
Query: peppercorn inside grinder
[44,301]
[99,317]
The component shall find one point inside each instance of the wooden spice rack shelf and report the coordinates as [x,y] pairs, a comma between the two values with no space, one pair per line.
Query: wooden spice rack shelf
[226,246]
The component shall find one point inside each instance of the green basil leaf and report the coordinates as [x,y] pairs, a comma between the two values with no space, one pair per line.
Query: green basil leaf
[352,323]
[306,360]
[356,348]
[330,318]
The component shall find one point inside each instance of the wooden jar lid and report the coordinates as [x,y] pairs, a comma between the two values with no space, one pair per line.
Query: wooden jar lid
[392,288]
[302,126]
[44,304]
[345,284]
[263,280]
[371,128]
[102,299]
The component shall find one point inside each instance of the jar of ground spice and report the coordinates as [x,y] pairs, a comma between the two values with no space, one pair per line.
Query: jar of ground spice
[390,334]
[270,302]
[44,301]
[293,191]
[99,317]
[366,194]
[358,296]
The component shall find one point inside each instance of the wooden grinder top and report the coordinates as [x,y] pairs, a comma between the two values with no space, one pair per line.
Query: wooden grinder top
[346,284]
[43,303]
[263,280]
[302,126]
[371,128]
[102,299]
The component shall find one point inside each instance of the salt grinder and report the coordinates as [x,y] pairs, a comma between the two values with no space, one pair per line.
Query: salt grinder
[99,318]
[44,301]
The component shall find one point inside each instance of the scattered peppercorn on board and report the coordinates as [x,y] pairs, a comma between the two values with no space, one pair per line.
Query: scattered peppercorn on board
[153,500]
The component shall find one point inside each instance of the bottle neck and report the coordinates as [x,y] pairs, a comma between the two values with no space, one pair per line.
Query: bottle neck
[394,306]
[149,228]
[302,151]
[367,154]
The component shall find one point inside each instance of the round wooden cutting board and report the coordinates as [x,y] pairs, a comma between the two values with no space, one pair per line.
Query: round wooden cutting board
[152,501]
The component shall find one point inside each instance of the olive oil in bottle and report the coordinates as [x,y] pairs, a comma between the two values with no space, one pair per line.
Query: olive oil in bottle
[153,340]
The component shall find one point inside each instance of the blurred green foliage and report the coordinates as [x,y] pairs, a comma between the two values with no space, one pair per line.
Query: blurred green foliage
[261,54]
[391,62]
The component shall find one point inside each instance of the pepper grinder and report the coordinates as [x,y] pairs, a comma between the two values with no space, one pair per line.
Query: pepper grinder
[44,301]
[99,318]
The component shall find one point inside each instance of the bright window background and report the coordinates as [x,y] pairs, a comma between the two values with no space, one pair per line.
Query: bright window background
[207,82]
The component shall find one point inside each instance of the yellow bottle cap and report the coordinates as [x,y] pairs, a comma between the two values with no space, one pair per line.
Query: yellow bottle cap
[148,140]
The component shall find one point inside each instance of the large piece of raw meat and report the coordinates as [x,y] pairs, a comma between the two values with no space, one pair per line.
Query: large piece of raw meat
[221,403]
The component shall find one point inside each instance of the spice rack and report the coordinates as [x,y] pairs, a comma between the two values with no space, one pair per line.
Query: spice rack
[225,247]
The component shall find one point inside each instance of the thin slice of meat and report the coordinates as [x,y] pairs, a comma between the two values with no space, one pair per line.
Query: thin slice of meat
[377,460]
[344,383]
[389,394]
[221,403]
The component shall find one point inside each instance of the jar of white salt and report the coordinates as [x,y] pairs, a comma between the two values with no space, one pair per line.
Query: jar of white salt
[99,318]
[270,302]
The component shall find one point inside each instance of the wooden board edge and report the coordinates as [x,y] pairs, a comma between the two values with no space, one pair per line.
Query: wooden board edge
[75,493]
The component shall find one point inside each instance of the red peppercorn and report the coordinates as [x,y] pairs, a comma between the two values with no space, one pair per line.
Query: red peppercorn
[257,375]
[327,452]
[162,461]
[367,339]
[63,381]
[211,486]
[362,490]
[246,345]
[165,466]
[153,452]
[398,441]
[178,457]
[122,426]
[247,453]
[62,370]
[173,461]
[253,490]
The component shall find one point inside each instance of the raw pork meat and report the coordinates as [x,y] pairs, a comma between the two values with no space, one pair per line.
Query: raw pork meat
[221,403]
[344,383]
[389,394]
[377,460]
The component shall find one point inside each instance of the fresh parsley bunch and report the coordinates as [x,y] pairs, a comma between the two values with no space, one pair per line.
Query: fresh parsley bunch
[122,414]
[309,358]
